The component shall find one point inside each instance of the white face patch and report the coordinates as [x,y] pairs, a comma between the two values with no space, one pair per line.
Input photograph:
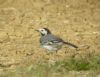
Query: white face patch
[43,31]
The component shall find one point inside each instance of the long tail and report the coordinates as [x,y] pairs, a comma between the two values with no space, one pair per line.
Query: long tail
[71,44]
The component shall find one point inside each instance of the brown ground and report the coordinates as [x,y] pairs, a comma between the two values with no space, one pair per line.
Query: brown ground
[77,21]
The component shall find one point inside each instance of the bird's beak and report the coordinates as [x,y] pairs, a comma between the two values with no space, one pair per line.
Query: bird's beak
[37,30]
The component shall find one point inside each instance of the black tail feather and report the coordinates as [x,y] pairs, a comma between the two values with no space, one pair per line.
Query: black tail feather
[71,44]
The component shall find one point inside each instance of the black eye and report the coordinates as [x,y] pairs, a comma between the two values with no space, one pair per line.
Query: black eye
[42,30]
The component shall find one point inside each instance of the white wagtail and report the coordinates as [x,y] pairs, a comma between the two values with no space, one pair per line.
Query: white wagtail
[50,41]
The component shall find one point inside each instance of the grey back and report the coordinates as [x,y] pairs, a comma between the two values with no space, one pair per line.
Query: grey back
[50,38]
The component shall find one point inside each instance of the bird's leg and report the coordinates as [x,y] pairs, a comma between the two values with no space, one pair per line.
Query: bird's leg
[49,53]
[56,51]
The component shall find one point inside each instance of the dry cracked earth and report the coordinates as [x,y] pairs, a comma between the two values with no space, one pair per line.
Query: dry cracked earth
[76,21]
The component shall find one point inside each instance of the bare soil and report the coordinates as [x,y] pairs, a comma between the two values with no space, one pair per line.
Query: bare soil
[76,21]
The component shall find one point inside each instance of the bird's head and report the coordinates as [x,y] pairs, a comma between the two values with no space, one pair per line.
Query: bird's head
[44,31]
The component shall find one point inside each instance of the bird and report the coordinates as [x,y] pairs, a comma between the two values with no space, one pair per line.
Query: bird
[52,42]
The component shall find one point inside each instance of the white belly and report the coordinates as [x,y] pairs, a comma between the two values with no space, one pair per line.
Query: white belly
[50,48]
